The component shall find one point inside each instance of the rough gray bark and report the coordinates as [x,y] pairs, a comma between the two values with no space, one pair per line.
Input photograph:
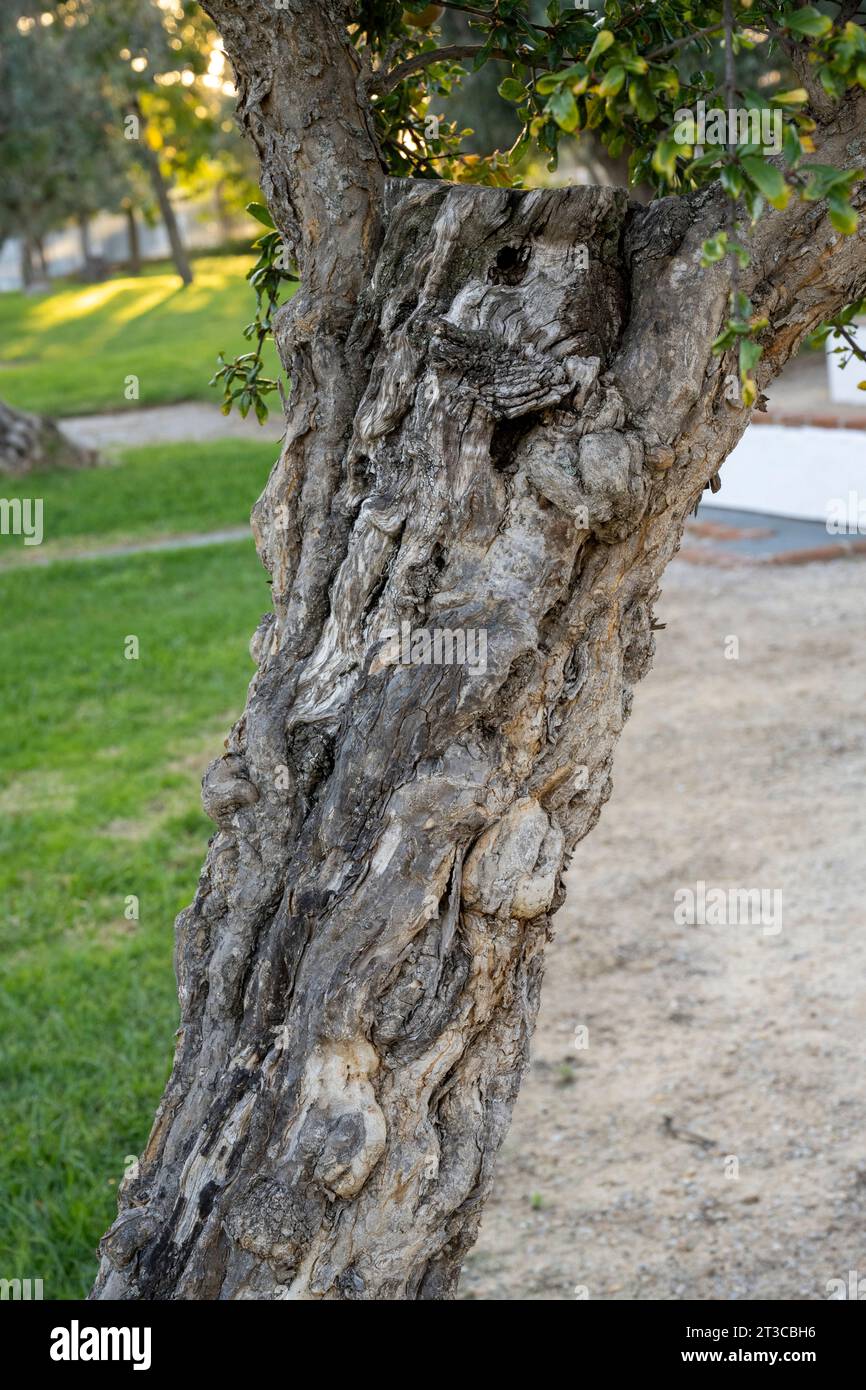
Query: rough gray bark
[482,434]
[33,443]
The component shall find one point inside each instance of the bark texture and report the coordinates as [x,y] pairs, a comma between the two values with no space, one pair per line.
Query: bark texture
[487,430]
[33,443]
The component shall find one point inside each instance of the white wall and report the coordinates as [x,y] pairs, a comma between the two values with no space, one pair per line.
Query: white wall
[792,471]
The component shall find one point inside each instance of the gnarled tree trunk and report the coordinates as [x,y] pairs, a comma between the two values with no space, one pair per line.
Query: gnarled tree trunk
[503,406]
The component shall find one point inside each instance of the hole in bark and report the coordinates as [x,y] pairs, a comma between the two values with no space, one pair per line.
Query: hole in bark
[506,436]
[510,265]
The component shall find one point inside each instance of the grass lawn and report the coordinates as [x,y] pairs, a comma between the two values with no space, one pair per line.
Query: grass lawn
[99,800]
[161,489]
[69,352]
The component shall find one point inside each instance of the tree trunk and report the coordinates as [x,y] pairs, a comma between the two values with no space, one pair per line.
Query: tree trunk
[43,261]
[132,241]
[27,272]
[161,193]
[503,407]
[31,443]
[221,210]
[84,239]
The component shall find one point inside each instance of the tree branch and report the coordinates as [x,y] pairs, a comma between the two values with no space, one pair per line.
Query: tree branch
[852,343]
[801,273]
[386,82]
[303,107]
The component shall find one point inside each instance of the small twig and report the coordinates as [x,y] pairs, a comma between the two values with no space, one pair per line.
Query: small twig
[687,38]
[673,1132]
[489,14]
[386,82]
[852,343]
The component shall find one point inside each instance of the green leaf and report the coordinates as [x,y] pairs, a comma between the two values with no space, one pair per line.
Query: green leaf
[768,180]
[732,180]
[664,159]
[603,40]
[715,248]
[551,80]
[563,108]
[642,99]
[519,148]
[750,356]
[484,52]
[261,214]
[511,89]
[809,21]
[791,147]
[832,82]
[595,112]
[797,97]
[825,179]
[842,215]
[612,82]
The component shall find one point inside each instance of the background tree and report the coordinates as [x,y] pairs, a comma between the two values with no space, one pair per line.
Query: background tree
[58,156]
[107,106]
[503,406]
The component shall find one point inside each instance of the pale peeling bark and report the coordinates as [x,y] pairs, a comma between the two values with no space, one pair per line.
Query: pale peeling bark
[496,437]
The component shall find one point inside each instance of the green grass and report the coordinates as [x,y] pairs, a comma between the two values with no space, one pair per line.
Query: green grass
[162,489]
[99,800]
[69,352]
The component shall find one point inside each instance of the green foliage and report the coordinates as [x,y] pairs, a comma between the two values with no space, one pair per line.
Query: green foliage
[56,151]
[73,72]
[842,328]
[635,76]
[242,379]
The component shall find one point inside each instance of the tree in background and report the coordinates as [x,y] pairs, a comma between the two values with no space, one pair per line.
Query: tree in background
[57,153]
[503,406]
[105,104]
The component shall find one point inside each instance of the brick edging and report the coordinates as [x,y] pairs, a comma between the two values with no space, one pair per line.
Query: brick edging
[818,419]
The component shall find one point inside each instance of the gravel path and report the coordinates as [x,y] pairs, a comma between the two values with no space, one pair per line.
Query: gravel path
[164,424]
[36,556]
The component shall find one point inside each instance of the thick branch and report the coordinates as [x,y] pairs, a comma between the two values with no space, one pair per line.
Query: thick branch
[301,103]
[801,272]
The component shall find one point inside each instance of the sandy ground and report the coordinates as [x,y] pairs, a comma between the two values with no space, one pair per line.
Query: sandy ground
[748,773]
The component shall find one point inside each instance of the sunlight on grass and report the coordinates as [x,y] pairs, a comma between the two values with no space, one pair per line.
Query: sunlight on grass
[67,305]
[72,351]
